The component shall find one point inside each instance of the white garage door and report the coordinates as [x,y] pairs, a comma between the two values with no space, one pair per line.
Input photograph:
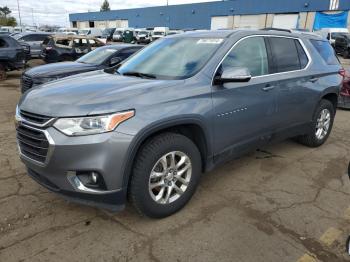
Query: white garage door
[289,21]
[219,22]
[249,21]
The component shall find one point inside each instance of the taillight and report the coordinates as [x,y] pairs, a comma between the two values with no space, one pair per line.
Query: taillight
[342,72]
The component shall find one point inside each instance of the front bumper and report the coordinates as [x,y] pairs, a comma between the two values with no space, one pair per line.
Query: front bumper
[105,154]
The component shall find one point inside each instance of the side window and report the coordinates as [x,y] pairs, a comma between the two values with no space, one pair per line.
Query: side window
[40,38]
[28,38]
[3,43]
[326,51]
[124,54]
[94,44]
[250,53]
[304,60]
[285,54]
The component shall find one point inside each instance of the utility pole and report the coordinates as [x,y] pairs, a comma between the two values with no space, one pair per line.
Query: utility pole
[33,18]
[19,14]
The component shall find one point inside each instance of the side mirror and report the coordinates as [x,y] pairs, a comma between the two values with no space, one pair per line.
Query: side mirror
[234,74]
[114,61]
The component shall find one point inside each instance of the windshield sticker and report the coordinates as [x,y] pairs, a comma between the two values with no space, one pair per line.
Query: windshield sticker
[214,41]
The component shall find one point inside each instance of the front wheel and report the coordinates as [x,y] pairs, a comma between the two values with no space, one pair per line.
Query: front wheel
[165,175]
[321,125]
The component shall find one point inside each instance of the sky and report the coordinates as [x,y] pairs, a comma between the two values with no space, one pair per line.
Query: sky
[55,12]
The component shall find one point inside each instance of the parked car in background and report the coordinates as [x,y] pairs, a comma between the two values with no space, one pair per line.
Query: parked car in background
[107,34]
[344,97]
[92,32]
[332,33]
[149,129]
[342,45]
[6,30]
[13,55]
[34,40]
[143,37]
[100,58]
[60,48]
[67,31]
[159,32]
[118,34]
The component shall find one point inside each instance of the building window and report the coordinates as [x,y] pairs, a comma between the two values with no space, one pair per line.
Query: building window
[74,24]
[333,4]
[91,24]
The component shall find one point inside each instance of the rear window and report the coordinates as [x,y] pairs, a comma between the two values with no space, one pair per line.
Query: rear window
[288,54]
[326,51]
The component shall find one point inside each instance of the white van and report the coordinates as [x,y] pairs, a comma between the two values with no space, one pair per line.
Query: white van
[95,32]
[159,32]
[6,29]
[331,33]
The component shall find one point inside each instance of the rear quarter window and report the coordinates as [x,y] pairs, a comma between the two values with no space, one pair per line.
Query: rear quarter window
[326,51]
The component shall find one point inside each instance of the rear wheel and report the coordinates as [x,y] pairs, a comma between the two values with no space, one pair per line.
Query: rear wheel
[165,175]
[321,125]
[346,54]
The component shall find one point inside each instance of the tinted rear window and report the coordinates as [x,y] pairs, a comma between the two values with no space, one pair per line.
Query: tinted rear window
[326,51]
[285,54]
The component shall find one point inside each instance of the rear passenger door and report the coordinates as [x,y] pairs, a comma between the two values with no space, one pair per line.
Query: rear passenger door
[294,98]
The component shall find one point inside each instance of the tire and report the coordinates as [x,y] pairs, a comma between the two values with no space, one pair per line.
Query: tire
[346,54]
[2,72]
[140,193]
[311,139]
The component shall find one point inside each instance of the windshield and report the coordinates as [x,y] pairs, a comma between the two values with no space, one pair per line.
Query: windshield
[98,56]
[84,32]
[337,34]
[160,61]
[143,33]
[158,33]
[4,30]
[107,31]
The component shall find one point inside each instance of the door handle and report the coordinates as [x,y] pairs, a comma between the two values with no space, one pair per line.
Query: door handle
[268,87]
[313,79]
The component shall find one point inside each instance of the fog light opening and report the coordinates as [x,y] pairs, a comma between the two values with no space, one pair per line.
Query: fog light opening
[92,179]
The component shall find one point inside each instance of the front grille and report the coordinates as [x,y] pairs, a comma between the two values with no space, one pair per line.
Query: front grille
[34,118]
[32,143]
[26,83]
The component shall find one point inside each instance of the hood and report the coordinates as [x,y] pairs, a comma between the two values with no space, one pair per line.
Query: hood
[92,93]
[58,69]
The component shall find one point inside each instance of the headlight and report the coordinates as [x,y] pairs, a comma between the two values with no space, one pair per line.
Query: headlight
[79,126]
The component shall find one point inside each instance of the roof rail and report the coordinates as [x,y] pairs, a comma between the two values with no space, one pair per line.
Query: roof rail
[276,29]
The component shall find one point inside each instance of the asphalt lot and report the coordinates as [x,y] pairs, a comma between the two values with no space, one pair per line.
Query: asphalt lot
[285,202]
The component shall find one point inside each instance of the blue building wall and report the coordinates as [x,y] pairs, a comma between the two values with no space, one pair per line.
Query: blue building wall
[199,15]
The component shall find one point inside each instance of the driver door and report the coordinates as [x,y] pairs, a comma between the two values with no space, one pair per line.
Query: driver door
[245,112]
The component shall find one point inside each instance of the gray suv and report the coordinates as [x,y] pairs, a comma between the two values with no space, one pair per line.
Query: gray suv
[146,130]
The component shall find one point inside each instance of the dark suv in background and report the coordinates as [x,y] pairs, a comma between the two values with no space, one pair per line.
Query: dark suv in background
[148,130]
[13,55]
[101,58]
[342,45]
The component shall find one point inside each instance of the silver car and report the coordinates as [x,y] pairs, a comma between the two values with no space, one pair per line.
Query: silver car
[34,40]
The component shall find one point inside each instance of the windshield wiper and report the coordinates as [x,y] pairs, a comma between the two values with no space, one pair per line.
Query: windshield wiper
[139,74]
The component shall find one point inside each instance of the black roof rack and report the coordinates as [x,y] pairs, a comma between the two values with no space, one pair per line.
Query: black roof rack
[276,29]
